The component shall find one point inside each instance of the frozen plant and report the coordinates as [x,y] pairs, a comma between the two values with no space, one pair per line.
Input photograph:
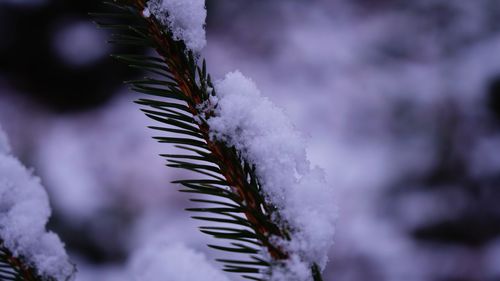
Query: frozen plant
[268,141]
[27,250]
[256,189]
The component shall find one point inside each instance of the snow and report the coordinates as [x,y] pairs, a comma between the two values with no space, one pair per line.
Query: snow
[262,132]
[340,72]
[160,261]
[146,13]
[293,270]
[24,212]
[185,18]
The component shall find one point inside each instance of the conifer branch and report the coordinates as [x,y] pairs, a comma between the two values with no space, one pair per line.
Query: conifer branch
[180,88]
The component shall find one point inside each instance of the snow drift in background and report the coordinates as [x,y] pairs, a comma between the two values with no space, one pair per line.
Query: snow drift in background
[161,261]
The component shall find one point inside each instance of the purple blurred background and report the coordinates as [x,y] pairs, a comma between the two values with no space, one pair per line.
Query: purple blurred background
[400,101]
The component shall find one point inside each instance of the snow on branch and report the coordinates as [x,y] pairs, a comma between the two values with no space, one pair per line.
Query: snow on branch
[185,18]
[24,212]
[267,139]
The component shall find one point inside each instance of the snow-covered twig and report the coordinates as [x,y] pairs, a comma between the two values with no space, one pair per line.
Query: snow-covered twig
[27,248]
[275,208]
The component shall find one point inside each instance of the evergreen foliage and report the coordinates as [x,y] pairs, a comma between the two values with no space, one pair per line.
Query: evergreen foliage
[178,89]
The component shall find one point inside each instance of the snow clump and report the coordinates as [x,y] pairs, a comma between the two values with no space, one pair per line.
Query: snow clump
[185,18]
[266,138]
[24,212]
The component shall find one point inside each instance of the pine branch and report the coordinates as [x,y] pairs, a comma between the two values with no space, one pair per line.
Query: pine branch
[178,87]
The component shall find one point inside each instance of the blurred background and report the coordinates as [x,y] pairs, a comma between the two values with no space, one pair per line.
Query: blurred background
[400,101]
